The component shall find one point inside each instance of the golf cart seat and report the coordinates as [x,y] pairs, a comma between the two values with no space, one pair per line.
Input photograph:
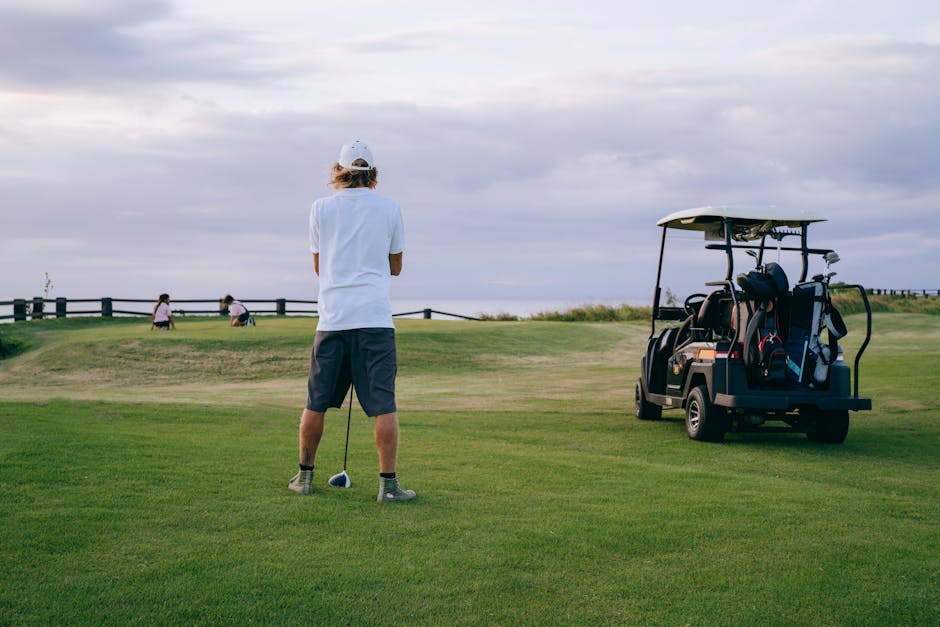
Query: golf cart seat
[709,314]
[715,318]
[660,352]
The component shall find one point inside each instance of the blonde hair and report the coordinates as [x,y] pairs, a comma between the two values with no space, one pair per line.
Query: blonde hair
[341,177]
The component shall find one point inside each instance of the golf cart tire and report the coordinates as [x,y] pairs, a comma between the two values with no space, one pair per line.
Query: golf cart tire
[829,427]
[644,409]
[704,421]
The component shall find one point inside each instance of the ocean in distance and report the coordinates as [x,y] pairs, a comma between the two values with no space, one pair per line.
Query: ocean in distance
[473,308]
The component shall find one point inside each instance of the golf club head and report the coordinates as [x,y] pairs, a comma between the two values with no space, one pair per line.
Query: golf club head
[340,480]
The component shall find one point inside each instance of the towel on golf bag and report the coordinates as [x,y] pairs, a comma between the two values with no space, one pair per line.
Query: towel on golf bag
[805,317]
[764,353]
[773,357]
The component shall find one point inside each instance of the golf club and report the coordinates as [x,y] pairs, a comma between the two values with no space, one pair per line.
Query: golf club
[341,480]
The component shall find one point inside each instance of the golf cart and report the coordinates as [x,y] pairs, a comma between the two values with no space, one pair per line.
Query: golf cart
[752,349]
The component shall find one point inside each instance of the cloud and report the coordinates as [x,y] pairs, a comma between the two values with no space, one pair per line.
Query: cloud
[436,36]
[853,53]
[507,198]
[930,33]
[137,42]
[398,42]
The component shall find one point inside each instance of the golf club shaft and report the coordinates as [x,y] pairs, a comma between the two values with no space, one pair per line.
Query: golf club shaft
[348,420]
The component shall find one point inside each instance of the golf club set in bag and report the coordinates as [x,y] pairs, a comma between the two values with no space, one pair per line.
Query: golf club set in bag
[802,357]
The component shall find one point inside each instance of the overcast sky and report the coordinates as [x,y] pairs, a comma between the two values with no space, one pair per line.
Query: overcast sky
[152,145]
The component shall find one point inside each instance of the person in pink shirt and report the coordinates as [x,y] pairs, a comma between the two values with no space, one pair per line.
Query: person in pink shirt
[162,317]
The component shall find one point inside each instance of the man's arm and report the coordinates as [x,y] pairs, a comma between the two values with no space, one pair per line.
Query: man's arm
[316,263]
[395,263]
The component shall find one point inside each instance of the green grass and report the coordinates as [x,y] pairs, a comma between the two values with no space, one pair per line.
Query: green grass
[142,482]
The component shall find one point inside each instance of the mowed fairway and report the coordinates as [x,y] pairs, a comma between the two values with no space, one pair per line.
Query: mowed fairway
[143,480]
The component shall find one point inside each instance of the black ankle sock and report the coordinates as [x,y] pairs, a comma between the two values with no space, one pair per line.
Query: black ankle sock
[387,475]
[302,467]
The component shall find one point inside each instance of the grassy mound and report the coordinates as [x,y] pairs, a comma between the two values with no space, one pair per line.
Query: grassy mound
[124,352]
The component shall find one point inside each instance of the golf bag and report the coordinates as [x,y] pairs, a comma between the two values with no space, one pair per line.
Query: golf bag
[812,312]
[764,355]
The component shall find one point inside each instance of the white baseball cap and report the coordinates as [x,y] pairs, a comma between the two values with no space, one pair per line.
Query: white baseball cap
[357,150]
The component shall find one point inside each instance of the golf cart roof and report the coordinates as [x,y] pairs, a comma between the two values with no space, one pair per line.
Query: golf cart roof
[709,218]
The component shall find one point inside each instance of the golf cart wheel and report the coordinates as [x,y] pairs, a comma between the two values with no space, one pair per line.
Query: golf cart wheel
[645,410]
[829,427]
[703,421]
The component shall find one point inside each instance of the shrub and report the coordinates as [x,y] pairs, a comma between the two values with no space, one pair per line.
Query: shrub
[850,302]
[10,347]
[596,313]
[501,316]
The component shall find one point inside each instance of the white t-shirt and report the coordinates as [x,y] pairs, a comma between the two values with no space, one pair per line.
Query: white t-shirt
[236,309]
[162,314]
[355,231]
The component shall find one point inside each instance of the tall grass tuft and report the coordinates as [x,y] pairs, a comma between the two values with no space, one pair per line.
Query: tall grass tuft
[596,313]
[850,302]
[498,317]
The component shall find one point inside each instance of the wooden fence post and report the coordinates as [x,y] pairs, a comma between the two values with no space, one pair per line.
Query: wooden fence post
[427,314]
[281,306]
[19,309]
[107,309]
[37,308]
[60,307]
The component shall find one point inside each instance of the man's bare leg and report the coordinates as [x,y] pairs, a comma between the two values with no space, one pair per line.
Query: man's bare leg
[311,431]
[386,439]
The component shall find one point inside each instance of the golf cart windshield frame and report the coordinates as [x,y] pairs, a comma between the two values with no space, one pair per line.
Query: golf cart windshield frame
[731,228]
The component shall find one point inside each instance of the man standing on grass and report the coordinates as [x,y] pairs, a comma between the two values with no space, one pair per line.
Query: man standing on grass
[357,241]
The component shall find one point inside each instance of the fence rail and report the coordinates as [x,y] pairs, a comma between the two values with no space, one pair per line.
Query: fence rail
[35,308]
[904,293]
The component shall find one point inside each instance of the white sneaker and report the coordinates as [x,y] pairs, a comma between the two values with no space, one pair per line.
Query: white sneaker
[391,492]
[302,482]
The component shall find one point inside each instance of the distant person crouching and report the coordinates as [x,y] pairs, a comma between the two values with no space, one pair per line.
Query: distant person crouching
[239,316]
[162,317]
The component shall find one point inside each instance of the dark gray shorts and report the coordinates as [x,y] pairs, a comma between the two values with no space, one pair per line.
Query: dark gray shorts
[364,357]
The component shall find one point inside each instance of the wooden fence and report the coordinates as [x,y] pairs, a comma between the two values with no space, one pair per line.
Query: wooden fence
[107,307]
[904,293]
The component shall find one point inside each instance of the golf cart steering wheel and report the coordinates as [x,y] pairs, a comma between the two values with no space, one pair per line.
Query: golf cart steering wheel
[693,303]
